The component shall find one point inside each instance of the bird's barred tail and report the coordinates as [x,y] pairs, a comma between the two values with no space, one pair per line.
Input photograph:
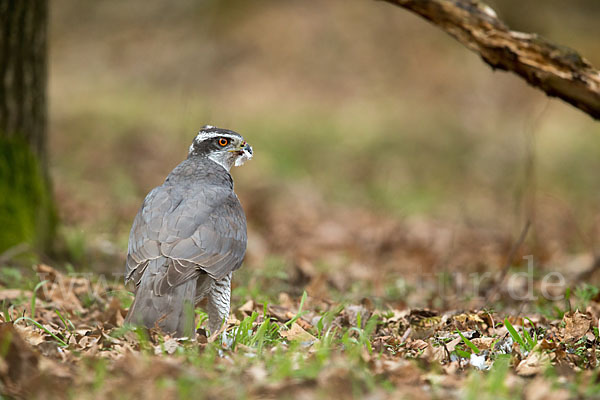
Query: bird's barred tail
[173,312]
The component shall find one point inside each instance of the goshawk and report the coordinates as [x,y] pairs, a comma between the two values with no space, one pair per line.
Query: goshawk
[188,237]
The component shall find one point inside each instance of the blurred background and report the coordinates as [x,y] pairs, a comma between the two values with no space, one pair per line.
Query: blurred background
[386,154]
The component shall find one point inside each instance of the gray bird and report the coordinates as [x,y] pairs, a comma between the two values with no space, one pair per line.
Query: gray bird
[188,237]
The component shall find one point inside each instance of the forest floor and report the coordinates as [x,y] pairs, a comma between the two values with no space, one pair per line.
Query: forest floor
[389,309]
[65,339]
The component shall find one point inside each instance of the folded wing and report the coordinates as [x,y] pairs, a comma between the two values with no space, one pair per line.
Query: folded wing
[198,231]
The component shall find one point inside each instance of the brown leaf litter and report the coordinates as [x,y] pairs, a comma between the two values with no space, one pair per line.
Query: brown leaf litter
[412,349]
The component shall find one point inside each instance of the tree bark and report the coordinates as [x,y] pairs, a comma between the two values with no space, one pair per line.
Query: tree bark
[557,70]
[23,72]
[25,193]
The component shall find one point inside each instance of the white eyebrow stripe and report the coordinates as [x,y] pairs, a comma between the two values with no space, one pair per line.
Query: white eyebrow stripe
[209,135]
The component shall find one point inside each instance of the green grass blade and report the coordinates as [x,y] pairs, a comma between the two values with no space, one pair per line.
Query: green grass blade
[514,334]
[66,322]
[59,340]
[299,313]
[462,353]
[6,312]
[528,339]
[469,343]
[532,341]
[202,316]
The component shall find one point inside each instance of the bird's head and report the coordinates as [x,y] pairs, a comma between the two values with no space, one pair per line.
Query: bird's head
[226,148]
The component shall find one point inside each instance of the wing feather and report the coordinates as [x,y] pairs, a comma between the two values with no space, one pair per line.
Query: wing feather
[199,231]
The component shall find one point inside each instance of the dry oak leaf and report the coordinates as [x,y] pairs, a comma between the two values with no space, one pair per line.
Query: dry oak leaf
[576,325]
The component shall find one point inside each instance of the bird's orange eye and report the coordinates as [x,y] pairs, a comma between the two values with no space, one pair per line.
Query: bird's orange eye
[223,142]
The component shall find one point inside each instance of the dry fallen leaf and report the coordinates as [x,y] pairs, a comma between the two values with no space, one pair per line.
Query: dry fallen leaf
[247,307]
[61,290]
[169,346]
[114,313]
[30,334]
[535,363]
[576,325]
[297,334]
[278,312]
[484,343]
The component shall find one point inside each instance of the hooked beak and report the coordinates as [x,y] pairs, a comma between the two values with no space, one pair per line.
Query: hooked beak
[244,152]
[244,149]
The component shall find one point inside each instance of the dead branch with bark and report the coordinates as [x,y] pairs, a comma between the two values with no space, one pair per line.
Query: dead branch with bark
[557,70]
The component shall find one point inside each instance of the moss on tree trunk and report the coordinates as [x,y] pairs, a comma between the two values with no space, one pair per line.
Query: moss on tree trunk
[28,214]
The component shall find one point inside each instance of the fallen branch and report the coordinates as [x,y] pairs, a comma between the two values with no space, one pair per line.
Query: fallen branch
[557,70]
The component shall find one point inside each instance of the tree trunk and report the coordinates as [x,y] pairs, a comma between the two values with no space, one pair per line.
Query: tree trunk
[26,208]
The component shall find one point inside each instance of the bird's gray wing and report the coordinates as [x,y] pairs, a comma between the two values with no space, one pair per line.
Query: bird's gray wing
[198,231]
[143,237]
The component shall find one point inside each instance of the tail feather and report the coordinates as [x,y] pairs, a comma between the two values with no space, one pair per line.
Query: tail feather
[172,312]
